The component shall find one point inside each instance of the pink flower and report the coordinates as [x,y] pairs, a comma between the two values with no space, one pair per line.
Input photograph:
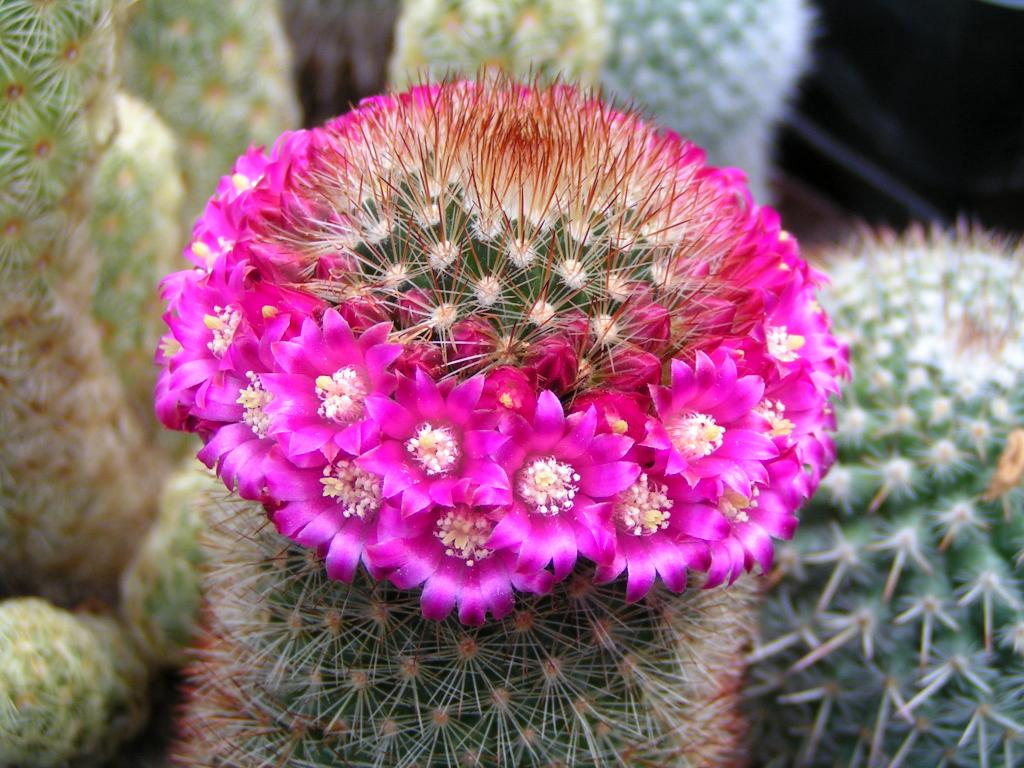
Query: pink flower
[563,475]
[448,548]
[662,528]
[330,505]
[509,390]
[433,438]
[708,427]
[327,373]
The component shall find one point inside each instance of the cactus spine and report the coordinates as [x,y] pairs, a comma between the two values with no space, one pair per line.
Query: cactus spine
[897,636]
[298,667]
[71,686]
[70,507]
[218,72]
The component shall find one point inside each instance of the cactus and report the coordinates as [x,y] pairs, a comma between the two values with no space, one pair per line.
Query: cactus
[218,72]
[160,587]
[70,509]
[432,352]
[718,73]
[135,224]
[897,635]
[71,687]
[547,39]
[300,668]
[340,49]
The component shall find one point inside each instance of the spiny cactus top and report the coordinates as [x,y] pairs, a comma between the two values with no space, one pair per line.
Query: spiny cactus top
[467,333]
[897,636]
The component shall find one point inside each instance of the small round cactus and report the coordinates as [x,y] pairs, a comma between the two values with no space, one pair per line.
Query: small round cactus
[218,72]
[71,686]
[298,667]
[160,591]
[897,634]
[545,39]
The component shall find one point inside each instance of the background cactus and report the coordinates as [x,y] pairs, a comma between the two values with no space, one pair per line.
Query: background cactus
[69,510]
[217,71]
[544,38]
[718,73]
[897,634]
[135,225]
[160,587]
[301,668]
[71,686]
[340,50]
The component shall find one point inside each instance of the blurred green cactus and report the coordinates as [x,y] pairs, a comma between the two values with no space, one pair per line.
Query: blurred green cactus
[71,686]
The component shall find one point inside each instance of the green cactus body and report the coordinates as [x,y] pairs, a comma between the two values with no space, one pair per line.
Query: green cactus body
[546,39]
[56,64]
[135,223]
[160,588]
[341,49]
[302,669]
[69,510]
[897,635]
[218,72]
[71,687]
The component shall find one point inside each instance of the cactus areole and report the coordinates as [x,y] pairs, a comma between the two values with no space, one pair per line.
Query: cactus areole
[467,334]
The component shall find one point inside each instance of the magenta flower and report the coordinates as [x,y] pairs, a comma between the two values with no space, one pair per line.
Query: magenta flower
[330,505]
[449,550]
[708,427]
[563,475]
[327,373]
[433,438]
[386,321]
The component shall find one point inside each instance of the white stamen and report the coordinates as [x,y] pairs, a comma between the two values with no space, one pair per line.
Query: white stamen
[775,411]
[435,448]
[342,395]
[644,508]
[782,345]
[223,326]
[548,486]
[735,505]
[695,435]
[464,534]
[357,490]
[253,399]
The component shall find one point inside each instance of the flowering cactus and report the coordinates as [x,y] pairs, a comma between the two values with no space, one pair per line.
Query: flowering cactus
[477,338]
[464,340]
